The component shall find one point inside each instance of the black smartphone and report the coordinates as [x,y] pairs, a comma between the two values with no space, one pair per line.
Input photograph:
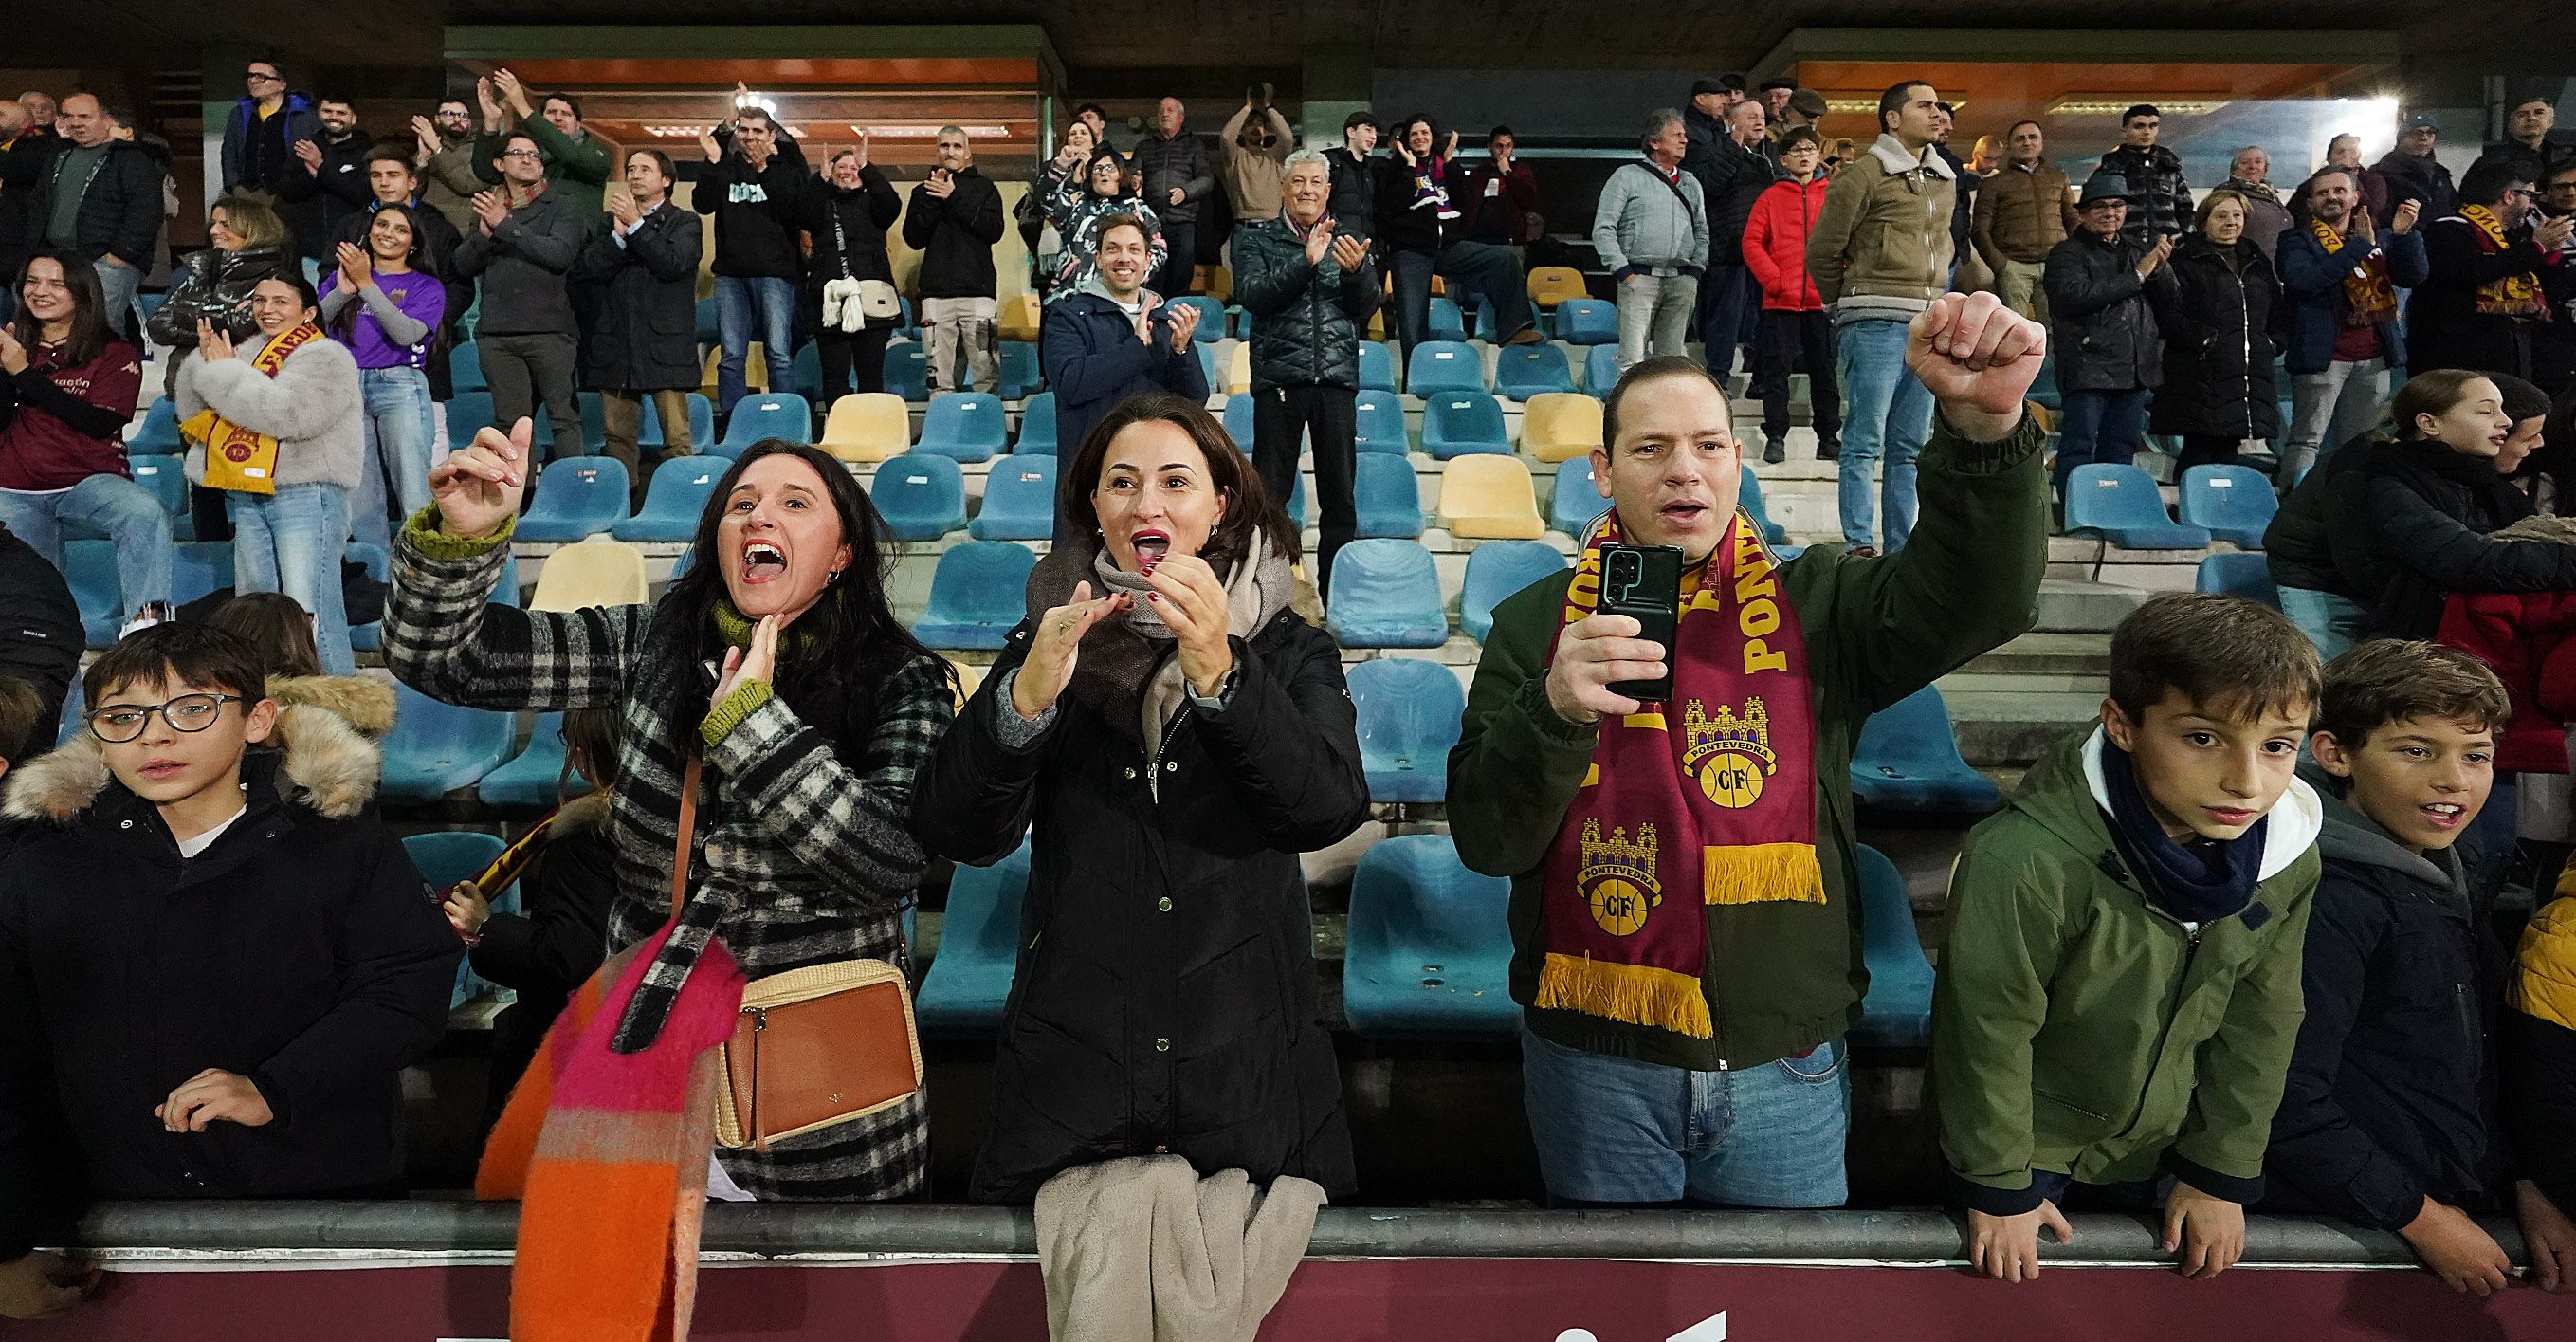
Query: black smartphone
[1644,583]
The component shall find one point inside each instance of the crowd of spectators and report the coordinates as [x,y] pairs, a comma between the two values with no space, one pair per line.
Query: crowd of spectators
[2174,919]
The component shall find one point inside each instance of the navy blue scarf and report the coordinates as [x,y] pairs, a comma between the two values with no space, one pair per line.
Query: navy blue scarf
[2198,883]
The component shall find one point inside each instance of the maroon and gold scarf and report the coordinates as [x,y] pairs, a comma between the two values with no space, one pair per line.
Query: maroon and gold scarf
[2369,298]
[2517,294]
[1724,807]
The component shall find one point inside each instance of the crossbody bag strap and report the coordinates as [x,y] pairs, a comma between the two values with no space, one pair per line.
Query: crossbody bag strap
[688,834]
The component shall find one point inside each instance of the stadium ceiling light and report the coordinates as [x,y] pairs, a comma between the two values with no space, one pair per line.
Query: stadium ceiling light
[2109,104]
[925,130]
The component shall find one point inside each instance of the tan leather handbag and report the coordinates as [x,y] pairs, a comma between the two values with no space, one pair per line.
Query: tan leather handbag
[813,1047]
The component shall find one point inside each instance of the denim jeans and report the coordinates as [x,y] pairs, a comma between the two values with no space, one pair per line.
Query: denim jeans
[1654,315]
[2331,622]
[1886,412]
[126,511]
[2099,426]
[291,542]
[119,284]
[2330,408]
[762,309]
[397,421]
[1616,1130]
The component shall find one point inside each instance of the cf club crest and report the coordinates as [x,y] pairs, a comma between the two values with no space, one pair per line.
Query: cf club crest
[1618,877]
[1730,756]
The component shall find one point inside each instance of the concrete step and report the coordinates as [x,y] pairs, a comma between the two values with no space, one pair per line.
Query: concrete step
[2068,606]
[2042,654]
[2022,682]
[2009,728]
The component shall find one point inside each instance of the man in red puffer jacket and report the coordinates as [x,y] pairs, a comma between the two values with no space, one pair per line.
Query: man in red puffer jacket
[1795,334]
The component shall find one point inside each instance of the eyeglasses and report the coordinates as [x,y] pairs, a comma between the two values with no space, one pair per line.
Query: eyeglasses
[119,723]
[521,153]
[263,77]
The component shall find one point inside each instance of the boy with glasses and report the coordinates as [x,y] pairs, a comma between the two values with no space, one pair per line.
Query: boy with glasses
[214,961]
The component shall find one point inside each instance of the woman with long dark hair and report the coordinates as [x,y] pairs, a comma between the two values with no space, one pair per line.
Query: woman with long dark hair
[2429,501]
[777,665]
[385,301]
[1081,204]
[67,389]
[1170,746]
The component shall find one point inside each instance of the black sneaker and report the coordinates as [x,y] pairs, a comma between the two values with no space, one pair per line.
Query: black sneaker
[1829,451]
[1773,452]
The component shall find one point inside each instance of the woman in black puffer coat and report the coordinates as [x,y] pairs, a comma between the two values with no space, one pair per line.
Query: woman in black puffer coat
[1168,772]
[2429,501]
[2218,318]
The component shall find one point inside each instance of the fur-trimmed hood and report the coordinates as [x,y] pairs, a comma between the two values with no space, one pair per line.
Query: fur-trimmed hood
[363,703]
[328,765]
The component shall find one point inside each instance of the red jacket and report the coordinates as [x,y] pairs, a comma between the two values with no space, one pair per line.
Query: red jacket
[2529,638]
[60,426]
[1775,244]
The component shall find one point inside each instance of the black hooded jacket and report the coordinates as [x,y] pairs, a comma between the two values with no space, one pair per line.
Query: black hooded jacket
[2425,514]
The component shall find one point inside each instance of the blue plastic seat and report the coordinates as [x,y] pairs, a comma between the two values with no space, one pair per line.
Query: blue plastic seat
[593,409]
[1574,502]
[1016,368]
[809,371]
[2245,575]
[710,322]
[2234,502]
[977,595]
[465,367]
[1377,367]
[1238,419]
[964,425]
[907,371]
[75,715]
[2043,388]
[702,424]
[1019,500]
[199,569]
[1386,594]
[444,857]
[1483,325]
[469,413]
[1456,423]
[979,950]
[1908,760]
[1388,496]
[1497,570]
[436,748]
[1211,328]
[1748,495]
[2119,503]
[921,496]
[775,414]
[1297,500]
[528,781]
[1380,416]
[1430,948]
[1897,1010]
[166,479]
[158,434]
[1443,365]
[674,501]
[89,569]
[1601,370]
[1524,371]
[1207,366]
[1409,711]
[576,497]
[1587,321]
[1447,321]
[1037,425]
[368,637]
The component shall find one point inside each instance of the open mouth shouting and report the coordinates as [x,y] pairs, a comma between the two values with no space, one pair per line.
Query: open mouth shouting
[1684,512]
[763,561]
[1150,545]
[2443,815]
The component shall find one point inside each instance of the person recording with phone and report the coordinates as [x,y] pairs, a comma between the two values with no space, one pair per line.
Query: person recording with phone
[1686,948]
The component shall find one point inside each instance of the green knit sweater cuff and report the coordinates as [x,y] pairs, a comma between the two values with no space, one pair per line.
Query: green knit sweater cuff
[724,717]
[423,533]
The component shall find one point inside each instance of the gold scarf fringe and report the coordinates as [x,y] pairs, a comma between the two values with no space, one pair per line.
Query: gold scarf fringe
[1637,994]
[1761,873]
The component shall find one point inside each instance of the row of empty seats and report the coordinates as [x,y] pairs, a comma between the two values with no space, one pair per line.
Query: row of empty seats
[2122,504]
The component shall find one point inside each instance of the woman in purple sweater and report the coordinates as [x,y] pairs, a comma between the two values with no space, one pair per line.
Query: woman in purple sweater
[385,304]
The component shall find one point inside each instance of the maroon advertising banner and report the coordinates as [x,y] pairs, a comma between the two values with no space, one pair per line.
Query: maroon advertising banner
[1383,1300]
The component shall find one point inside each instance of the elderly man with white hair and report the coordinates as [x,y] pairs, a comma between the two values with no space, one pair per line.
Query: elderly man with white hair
[1651,229]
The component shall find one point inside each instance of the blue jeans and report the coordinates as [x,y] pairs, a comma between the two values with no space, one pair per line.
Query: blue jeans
[398,426]
[1615,1130]
[126,511]
[290,542]
[762,309]
[2103,426]
[2331,622]
[118,284]
[1886,412]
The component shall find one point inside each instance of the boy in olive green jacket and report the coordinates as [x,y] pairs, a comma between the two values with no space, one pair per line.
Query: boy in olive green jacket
[2119,987]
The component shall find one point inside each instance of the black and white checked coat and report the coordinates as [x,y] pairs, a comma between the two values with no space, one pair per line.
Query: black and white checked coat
[804,847]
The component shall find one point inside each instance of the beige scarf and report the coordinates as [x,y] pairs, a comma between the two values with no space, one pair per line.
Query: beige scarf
[1127,672]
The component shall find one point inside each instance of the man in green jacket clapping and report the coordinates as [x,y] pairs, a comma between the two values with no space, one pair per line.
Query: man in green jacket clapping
[1684,902]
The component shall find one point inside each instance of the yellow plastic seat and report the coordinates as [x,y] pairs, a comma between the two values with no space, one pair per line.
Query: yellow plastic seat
[600,571]
[1485,496]
[1220,285]
[1557,425]
[1551,285]
[1238,370]
[867,426]
[1019,318]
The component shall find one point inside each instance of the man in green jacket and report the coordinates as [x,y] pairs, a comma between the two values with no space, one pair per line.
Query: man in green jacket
[1684,912]
[577,162]
[2120,971]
